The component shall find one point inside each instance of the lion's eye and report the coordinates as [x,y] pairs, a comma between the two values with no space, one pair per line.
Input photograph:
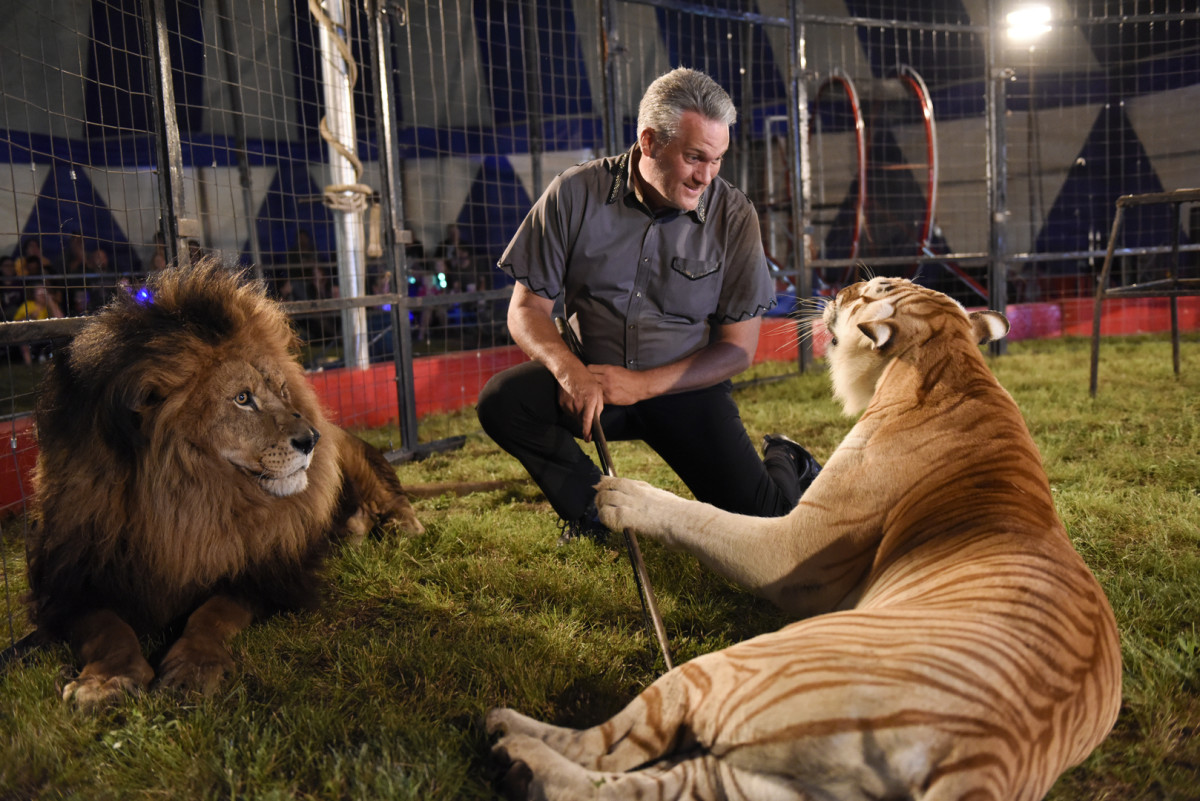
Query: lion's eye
[244,398]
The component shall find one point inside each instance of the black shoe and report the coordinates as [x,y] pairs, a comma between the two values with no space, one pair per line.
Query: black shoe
[587,527]
[806,466]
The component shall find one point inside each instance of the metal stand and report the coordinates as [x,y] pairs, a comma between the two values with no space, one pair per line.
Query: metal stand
[1170,287]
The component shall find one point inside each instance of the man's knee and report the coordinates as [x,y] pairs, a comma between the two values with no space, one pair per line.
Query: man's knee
[492,405]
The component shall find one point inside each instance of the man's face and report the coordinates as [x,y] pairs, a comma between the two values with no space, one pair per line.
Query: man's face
[677,173]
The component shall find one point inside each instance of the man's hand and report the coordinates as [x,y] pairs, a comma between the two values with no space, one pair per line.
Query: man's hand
[580,394]
[621,387]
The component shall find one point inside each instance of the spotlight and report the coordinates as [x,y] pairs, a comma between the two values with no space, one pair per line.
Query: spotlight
[1028,22]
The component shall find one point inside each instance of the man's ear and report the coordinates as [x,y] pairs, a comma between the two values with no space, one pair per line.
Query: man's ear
[646,142]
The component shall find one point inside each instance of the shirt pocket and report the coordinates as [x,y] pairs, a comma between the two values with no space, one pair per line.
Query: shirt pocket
[694,268]
[693,289]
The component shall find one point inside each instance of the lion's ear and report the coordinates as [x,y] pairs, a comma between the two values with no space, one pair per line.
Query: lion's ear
[125,409]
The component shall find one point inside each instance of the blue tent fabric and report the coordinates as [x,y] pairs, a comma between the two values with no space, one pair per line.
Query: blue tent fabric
[495,207]
[68,204]
[293,202]
[1112,163]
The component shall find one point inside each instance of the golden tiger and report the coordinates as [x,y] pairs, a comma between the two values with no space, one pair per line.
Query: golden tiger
[958,647]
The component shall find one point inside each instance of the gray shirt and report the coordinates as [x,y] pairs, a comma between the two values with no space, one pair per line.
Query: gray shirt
[647,289]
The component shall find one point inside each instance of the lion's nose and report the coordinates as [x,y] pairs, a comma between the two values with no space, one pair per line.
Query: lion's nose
[307,441]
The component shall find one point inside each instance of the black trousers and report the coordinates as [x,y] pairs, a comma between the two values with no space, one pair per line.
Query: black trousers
[699,434]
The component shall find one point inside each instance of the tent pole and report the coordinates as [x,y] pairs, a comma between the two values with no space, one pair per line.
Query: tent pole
[338,81]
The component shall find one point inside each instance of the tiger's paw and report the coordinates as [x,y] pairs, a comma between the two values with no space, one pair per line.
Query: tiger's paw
[535,771]
[502,721]
[635,505]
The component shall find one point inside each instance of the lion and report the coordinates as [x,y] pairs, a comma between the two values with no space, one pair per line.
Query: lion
[187,475]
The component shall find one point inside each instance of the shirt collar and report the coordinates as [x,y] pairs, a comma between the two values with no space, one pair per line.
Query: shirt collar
[623,185]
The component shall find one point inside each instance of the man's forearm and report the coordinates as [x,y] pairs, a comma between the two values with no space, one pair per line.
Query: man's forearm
[704,368]
[710,365]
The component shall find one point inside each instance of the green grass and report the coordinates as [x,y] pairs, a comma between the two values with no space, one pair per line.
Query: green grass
[381,693]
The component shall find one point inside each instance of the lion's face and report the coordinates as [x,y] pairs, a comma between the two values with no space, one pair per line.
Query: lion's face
[252,421]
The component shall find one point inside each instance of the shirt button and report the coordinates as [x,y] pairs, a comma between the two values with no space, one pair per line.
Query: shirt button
[637,294]
[632,327]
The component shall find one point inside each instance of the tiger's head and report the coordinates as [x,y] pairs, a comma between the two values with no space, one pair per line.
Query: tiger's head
[873,322]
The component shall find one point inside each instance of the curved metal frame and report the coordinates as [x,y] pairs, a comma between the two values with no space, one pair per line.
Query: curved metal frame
[914,81]
[860,126]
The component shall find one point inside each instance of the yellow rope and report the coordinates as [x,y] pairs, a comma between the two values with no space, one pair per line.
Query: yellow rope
[355,197]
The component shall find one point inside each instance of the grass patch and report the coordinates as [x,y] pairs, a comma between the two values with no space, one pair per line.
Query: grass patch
[381,693]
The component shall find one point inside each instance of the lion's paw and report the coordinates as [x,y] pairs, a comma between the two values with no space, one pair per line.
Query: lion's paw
[90,693]
[195,666]
[635,505]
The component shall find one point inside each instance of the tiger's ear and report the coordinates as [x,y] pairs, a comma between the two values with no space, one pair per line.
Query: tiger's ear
[988,326]
[877,328]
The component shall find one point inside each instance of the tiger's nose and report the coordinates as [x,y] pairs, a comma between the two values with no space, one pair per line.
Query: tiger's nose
[307,441]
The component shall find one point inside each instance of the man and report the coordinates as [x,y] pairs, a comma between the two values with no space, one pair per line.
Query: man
[661,263]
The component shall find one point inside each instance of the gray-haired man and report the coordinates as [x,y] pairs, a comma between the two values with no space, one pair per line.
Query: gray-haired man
[662,265]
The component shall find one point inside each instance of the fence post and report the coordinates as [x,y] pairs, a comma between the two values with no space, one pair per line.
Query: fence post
[174,224]
[392,197]
[997,172]
[801,173]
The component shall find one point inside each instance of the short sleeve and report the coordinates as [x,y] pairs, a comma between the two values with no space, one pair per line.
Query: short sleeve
[749,289]
[536,256]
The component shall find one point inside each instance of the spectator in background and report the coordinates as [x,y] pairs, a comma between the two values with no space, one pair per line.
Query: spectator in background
[310,280]
[29,261]
[459,260]
[428,316]
[75,255]
[156,259]
[97,261]
[415,253]
[80,302]
[12,289]
[39,306]
[195,251]
[379,318]
[302,257]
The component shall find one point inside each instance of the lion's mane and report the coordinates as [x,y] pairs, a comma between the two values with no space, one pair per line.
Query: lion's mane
[133,509]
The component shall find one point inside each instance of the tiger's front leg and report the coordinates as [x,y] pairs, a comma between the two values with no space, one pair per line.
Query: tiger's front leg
[807,562]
